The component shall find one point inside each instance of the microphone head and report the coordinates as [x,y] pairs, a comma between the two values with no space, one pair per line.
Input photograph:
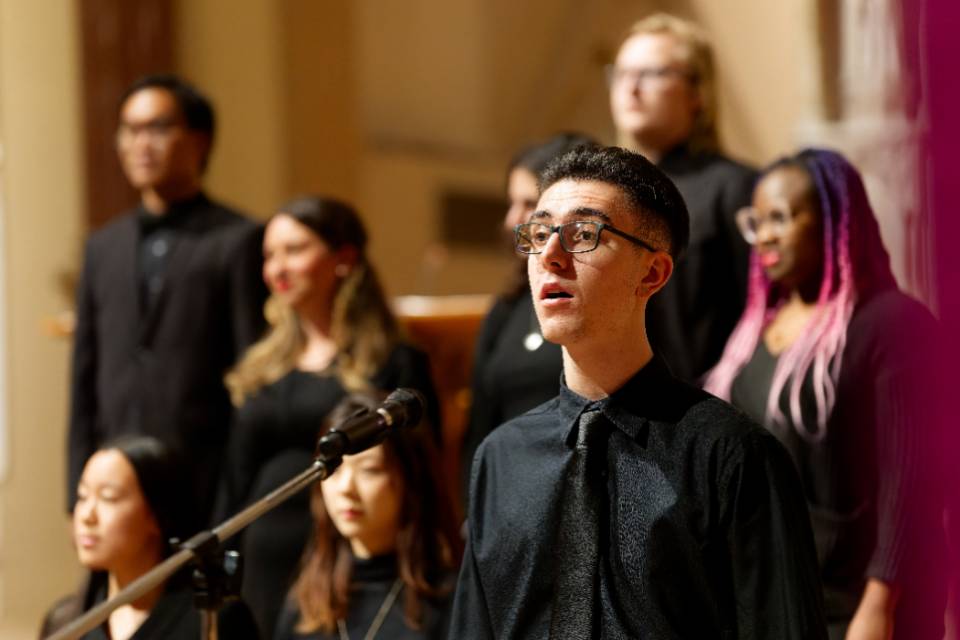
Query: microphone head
[405,406]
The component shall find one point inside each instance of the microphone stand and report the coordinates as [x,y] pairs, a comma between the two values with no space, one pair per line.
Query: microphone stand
[202,547]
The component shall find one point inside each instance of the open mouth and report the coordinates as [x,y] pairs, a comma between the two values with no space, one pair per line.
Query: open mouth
[554,291]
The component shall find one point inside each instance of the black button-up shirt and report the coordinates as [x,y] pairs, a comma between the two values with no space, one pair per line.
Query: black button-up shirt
[158,234]
[707,535]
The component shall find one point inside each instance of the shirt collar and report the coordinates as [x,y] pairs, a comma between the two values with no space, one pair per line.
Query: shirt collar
[648,395]
[173,217]
[682,159]
[678,157]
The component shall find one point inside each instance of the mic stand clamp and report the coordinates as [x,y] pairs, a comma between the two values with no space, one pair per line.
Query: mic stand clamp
[216,579]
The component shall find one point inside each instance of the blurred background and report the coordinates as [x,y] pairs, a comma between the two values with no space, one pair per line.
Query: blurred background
[408,109]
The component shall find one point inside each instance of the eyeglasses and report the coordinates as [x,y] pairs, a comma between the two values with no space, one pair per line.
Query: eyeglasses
[580,236]
[156,130]
[750,221]
[643,75]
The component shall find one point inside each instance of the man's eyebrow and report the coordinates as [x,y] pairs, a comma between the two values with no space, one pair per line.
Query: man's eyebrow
[589,212]
[579,212]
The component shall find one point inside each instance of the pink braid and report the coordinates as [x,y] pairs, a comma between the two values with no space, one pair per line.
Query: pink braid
[847,268]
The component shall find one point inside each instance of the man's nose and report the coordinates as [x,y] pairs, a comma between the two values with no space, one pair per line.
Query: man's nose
[553,253]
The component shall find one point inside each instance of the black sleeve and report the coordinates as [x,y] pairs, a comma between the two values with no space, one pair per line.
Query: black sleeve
[470,617]
[483,418]
[81,436]
[907,432]
[776,579]
[248,292]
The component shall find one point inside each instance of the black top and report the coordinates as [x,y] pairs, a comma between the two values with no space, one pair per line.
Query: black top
[871,482]
[173,617]
[274,439]
[158,235]
[153,364]
[372,582]
[690,319]
[508,377]
[702,505]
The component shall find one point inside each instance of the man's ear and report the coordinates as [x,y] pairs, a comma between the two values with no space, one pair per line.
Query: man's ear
[202,145]
[658,271]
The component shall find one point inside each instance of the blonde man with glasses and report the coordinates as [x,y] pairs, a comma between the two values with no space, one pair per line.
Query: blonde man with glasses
[664,106]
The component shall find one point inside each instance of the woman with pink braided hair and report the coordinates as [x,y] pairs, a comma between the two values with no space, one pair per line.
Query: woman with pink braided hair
[834,360]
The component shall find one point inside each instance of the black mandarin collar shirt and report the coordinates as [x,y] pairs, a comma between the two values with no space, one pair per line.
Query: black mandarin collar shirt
[704,532]
[174,216]
[158,234]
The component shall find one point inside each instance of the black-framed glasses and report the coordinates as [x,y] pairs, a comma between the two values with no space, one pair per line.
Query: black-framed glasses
[579,236]
[158,129]
[640,75]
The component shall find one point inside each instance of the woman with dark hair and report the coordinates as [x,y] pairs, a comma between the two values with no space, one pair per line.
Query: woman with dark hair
[514,368]
[331,333]
[131,500]
[837,363]
[384,552]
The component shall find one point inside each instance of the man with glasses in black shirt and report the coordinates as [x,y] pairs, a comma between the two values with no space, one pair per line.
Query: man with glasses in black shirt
[169,296]
[632,505]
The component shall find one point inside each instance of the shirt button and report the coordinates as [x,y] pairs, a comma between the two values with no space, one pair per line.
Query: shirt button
[159,247]
[155,284]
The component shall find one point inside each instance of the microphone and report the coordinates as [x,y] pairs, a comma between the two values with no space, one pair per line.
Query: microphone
[366,429]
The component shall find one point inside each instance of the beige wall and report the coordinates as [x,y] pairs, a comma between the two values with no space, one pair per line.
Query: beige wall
[323,143]
[764,51]
[281,75]
[233,51]
[40,134]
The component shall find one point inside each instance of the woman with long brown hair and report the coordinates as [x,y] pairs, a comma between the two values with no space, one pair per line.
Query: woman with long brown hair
[384,551]
[331,333]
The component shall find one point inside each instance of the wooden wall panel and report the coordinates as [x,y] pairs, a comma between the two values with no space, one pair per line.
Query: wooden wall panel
[120,41]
